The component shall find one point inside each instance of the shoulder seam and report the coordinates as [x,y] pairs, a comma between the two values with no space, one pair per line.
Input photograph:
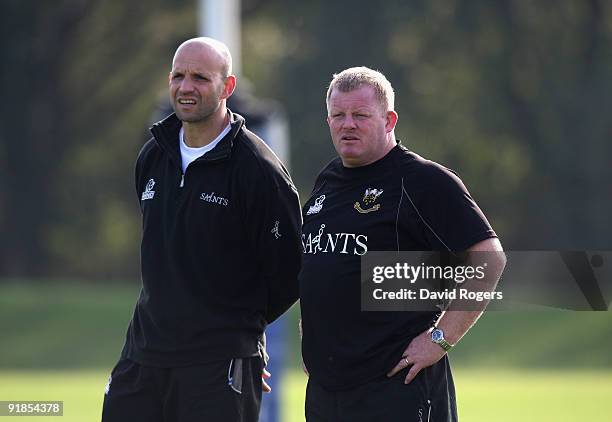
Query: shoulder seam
[404,191]
[257,157]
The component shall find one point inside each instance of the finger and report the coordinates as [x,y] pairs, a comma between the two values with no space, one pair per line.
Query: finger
[412,373]
[405,362]
[265,374]
[265,387]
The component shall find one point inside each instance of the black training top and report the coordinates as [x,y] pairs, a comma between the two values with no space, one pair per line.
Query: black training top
[220,248]
[400,202]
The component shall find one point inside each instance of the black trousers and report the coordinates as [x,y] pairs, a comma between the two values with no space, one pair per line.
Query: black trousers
[430,397]
[227,390]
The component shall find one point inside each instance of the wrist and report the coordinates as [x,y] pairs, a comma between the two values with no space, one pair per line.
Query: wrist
[437,337]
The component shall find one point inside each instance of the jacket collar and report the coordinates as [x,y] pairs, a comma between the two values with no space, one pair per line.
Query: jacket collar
[166,133]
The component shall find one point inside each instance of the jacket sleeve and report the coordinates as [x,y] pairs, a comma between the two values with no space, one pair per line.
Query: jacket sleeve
[274,225]
[137,178]
[138,170]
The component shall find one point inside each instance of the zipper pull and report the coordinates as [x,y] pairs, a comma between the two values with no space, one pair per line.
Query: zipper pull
[182,180]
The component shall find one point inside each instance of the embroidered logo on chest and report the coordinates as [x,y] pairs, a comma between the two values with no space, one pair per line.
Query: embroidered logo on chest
[214,199]
[369,201]
[343,243]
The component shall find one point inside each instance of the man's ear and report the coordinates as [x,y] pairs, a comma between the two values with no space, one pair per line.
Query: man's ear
[228,87]
[391,120]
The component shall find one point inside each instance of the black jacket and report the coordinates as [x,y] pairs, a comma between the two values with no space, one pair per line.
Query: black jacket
[220,249]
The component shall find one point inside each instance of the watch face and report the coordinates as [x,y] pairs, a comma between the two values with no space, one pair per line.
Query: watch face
[436,335]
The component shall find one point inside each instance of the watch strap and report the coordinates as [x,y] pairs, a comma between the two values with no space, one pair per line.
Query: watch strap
[445,345]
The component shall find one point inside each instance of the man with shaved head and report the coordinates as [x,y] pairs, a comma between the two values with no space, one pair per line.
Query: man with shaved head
[220,255]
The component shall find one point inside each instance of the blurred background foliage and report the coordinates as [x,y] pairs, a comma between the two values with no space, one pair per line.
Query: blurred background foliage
[513,95]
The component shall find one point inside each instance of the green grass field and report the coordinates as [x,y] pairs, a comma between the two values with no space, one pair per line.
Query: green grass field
[59,340]
[484,396]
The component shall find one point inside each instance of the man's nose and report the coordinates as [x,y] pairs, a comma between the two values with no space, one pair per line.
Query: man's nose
[186,85]
[348,122]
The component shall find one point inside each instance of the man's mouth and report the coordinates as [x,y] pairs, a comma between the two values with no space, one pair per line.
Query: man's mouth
[349,138]
[185,101]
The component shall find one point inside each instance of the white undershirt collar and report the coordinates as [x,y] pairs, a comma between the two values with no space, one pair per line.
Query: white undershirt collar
[189,154]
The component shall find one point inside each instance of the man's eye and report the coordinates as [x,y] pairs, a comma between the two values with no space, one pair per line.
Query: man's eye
[177,76]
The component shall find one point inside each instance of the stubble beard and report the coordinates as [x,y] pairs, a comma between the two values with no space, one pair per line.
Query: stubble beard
[199,115]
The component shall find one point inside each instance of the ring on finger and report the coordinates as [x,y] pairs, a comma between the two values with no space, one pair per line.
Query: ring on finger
[406,360]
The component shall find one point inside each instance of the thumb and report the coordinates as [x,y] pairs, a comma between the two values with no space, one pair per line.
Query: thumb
[265,387]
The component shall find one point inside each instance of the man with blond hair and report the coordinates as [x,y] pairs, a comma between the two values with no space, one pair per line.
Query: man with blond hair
[379,196]
[220,256]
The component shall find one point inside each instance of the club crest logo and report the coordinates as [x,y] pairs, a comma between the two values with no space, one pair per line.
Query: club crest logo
[148,193]
[369,201]
[318,205]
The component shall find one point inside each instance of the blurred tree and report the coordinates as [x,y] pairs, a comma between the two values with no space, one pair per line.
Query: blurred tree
[513,95]
[80,80]
[33,36]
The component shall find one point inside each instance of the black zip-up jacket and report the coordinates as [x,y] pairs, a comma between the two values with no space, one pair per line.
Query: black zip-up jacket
[220,252]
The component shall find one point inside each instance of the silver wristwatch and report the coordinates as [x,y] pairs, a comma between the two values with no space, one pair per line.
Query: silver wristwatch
[437,336]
